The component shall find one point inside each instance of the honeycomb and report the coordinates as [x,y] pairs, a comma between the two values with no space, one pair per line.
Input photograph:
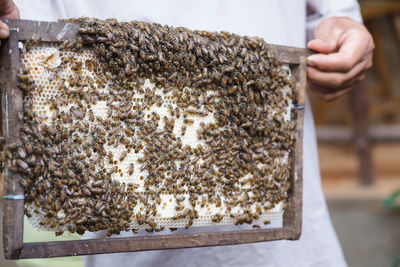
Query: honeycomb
[139,125]
[43,58]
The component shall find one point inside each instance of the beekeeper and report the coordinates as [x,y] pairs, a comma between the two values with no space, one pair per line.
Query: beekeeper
[330,27]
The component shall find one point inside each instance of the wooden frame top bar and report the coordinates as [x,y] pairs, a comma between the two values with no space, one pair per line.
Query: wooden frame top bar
[11,103]
[60,31]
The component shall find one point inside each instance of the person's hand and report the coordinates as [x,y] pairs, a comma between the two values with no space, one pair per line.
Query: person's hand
[8,9]
[344,51]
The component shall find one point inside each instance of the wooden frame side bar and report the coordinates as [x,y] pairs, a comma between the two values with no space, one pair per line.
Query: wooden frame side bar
[293,214]
[11,100]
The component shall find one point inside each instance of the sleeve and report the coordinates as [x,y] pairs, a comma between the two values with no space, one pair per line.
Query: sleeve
[317,10]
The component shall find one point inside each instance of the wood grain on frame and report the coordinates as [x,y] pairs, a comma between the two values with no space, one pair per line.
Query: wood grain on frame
[11,102]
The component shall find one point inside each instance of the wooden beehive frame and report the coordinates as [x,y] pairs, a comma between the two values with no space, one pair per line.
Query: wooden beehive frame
[12,102]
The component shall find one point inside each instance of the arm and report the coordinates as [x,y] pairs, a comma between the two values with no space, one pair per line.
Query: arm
[344,52]
[8,9]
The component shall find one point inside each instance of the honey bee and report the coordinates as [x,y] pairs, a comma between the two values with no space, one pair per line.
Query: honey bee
[123,155]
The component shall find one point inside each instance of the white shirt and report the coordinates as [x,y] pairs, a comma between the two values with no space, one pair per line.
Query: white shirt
[285,22]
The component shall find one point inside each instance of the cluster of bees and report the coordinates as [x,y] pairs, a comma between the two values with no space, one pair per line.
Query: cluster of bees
[243,159]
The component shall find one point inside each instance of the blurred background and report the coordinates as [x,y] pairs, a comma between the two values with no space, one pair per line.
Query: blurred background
[359,153]
[359,149]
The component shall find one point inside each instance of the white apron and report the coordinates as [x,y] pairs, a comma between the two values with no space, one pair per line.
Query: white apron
[285,22]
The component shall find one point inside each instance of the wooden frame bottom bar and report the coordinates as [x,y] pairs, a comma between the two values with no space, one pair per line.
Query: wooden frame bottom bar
[144,243]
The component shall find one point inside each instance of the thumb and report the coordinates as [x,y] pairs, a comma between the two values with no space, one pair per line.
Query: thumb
[4,31]
[326,36]
[322,46]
